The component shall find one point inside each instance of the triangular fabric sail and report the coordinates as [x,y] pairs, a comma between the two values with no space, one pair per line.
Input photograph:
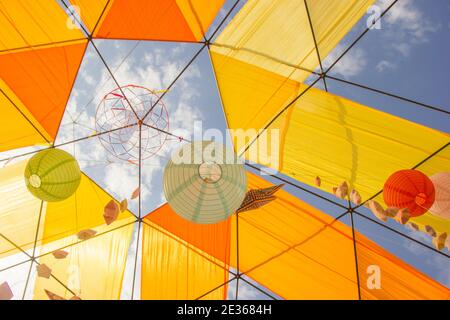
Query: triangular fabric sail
[42,79]
[252,63]
[170,20]
[93,269]
[196,261]
[22,216]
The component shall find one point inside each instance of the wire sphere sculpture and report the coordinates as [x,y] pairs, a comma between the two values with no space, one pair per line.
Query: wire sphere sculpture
[118,118]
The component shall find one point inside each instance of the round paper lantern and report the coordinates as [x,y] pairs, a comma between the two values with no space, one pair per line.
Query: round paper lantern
[441,206]
[205,182]
[409,189]
[52,175]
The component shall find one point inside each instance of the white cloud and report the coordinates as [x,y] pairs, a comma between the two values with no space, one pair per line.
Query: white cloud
[351,64]
[407,25]
[384,65]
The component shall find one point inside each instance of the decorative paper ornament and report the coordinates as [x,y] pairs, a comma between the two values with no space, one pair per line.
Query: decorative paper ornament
[431,232]
[52,175]
[53,296]
[86,234]
[111,212]
[342,190]
[377,210]
[355,197]
[257,198]
[409,189]
[402,216]
[5,291]
[439,241]
[60,254]
[318,181]
[441,205]
[44,271]
[205,182]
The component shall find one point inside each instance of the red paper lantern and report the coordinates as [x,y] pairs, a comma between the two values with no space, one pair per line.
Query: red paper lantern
[409,189]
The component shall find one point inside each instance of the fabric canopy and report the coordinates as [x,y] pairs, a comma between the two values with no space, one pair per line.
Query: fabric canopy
[167,20]
[299,252]
[21,214]
[39,60]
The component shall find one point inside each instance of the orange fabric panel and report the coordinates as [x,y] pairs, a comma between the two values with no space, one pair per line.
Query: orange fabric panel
[213,239]
[398,280]
[297,252]
[145,19]
[199,14]
[42,79]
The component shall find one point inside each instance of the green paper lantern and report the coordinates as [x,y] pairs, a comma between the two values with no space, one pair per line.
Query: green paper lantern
[205,182]
[52,175]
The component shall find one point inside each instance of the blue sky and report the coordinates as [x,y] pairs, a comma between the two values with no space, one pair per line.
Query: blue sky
[408,56]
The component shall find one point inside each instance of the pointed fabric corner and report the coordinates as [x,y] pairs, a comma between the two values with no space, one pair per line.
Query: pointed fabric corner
[261,58]
[21,212]
[182,259]
[42,79]
[299,252]
[170,20]
[92,270]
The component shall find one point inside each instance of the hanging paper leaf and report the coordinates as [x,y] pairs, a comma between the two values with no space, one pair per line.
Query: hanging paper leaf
[75,298]
[60,254]
[402,216]
[44,271]
[111,212]
[377,210]
[413,226]
[86,234]
[135,193]
[318,181]
[342,190]
[391,212]
[430,231]
[53,296]
[5,291]
[439,241]
[124,205]
[355,197]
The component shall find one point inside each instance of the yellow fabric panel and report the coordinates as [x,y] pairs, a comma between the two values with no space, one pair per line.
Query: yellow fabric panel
[340,140]
[15,130]
[93,269]
[298,252]
[251,95]
[30,22]
[260,34]
[174,269]
[83,210]
[19,211]
[90,11]
[199,14]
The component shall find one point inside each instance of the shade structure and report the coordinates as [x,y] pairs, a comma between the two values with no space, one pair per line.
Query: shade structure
[268,59]
[205,182]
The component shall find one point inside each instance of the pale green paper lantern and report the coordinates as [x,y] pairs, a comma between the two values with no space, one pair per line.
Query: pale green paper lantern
[52,175]
[204,189]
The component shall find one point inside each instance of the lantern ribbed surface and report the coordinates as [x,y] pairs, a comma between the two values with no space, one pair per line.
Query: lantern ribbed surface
[409,189]
[205,190]
[52,175]
[441,206]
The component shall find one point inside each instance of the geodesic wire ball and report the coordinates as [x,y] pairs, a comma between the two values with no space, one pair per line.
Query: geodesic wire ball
[117,116]
[52,175]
